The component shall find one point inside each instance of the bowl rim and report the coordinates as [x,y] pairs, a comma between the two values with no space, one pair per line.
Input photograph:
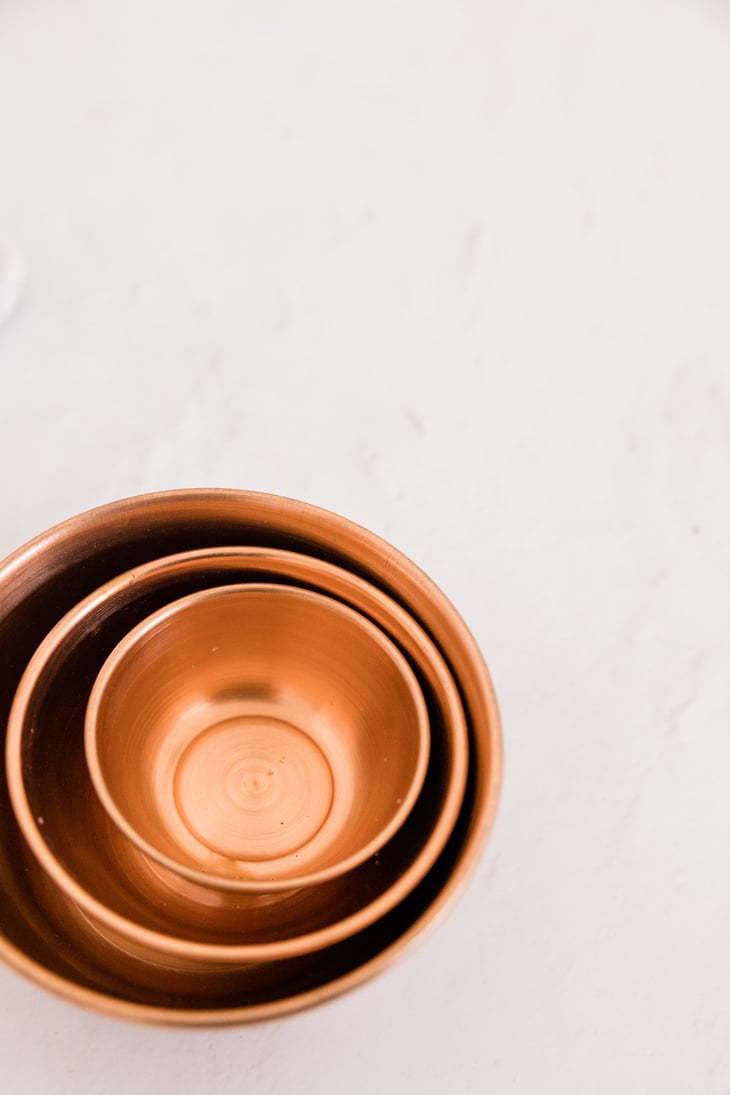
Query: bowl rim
[127,646]
[370,556]
[281,561]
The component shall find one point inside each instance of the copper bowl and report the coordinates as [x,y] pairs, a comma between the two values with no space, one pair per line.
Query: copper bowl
[107,888]
[257,738]
[46,578]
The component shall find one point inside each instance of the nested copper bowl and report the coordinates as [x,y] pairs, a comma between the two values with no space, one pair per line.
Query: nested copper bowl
[111,891]
[42,581]
[257,738]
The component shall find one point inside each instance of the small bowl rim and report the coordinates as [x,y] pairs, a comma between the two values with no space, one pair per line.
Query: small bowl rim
[126,647]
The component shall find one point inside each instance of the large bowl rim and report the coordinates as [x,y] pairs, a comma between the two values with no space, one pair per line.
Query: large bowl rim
[390,564]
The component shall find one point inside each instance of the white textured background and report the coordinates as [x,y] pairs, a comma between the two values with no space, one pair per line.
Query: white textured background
[460,271]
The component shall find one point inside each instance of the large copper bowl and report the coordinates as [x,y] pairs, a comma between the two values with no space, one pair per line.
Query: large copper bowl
[46,578]
[154,913]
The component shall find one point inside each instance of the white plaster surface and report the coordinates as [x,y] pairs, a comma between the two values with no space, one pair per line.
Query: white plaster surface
[460,271]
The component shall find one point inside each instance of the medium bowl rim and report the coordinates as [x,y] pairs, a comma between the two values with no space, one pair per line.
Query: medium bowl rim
[178,946]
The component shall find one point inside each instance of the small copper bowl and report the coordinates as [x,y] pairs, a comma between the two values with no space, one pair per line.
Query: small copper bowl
[257,738]
[108,887]
[47,577]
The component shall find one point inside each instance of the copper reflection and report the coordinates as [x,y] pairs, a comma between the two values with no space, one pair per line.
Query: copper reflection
[257,737]
[43,580]
[124,894]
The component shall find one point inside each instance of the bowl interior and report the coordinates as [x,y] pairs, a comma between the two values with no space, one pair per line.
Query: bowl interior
[264,735]
[118,885]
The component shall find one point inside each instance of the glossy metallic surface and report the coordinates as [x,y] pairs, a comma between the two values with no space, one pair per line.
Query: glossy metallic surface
[258,738]
[42,581]
[123,896]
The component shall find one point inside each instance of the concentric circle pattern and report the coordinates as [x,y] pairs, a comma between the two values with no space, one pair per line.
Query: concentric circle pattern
[253,788]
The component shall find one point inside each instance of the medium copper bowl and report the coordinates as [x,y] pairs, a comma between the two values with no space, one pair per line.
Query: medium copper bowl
[43,580]
[257,738]
[111,889]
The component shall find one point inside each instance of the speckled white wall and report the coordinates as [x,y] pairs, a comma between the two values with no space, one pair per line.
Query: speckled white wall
[459,271]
